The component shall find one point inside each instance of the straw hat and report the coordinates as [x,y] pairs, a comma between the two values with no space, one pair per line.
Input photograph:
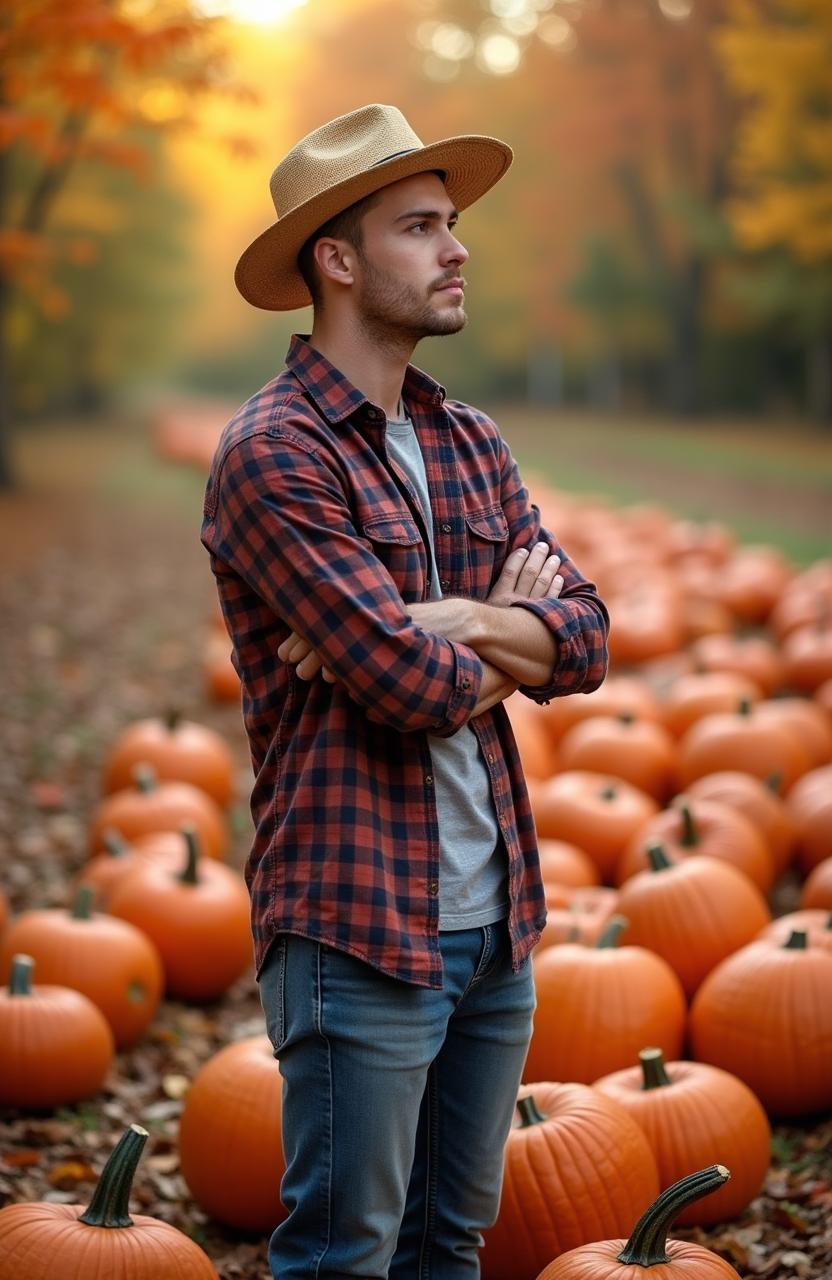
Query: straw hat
[340,163]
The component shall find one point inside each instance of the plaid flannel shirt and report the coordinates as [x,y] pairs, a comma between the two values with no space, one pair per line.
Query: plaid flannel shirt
[312,528]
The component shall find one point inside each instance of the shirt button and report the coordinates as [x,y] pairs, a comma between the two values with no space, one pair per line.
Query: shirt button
[445,583]
[466,683]
[433,887]
[490,758]
[446,528]
[428,778]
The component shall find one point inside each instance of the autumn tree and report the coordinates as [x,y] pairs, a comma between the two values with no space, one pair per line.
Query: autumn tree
[84,84]
[778,57]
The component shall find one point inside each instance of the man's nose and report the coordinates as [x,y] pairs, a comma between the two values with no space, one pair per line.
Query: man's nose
[455,251]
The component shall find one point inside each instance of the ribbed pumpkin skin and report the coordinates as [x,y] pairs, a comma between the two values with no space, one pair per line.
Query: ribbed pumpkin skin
[55,1049]
[596,1007]
[595,811]
[720,832]
[230,1136]
[183,752]
[600,1262]
[704,1116]
[756,801]
[693,915]
[110,961]
[765,1014]
[46,1242]
[587,1171]
[816,893]
[167,807]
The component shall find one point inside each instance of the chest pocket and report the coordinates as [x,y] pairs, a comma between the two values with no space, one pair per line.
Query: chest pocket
[487,546]
[397,543]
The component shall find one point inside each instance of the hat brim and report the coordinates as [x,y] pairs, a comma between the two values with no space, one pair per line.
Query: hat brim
[267,273]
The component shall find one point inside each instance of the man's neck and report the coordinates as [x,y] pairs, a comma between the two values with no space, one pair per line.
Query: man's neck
[376,370]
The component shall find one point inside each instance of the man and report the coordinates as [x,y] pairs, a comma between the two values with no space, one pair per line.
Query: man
[387,584]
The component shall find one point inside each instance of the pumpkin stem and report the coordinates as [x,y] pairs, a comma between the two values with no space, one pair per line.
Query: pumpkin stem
[828,924]
[744,707]
[20,977]
[173,718]
[82,906]
[145,777]
[774,781]
[647,1246]
[657,857]
[114,842]
[190,875]
[653,1069]
[626,717]
[109,1204]
[530,1113]
[798,941]
[690,836]
[609,793]
[612,931]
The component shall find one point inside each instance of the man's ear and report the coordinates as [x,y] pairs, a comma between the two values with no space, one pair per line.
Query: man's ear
[335,260]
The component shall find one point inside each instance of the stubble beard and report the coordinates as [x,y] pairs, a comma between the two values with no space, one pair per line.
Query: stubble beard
[395,314]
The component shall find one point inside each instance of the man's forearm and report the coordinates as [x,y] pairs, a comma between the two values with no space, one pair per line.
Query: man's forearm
[515,640]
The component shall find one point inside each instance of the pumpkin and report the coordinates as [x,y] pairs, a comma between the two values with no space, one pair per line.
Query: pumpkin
[597,1006]
[814,922]
[597,812]
[765,1015]
[68,1242]
[691,827]
[537,751]
[810,806]
[808,720]
[817,891]
[575,1164]
[704,693]
[618,695]
[806,600]
[577,915]
[807,656]
[198,919]
[111,962]
[107,869]
[151,806]
[178,750]
[688,1110]
[752,656]
[719,741]
[707,540]
[230,1145]
[222,683]
[641,752]
[692,913]
[756,800]
[565,864]
[647,625]
[648,1254]
[751,582]
[823,698]
[55,1045]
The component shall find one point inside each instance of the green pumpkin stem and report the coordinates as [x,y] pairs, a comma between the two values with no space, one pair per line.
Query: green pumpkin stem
[190,874]
[657,858]
[173,718]
[612,931]
[647,1246]
[653,1069]
[798,940]
[114,843]
[82,906]
[626,717]
[609,793]
[690,836]
[774,782]
[744,707]
[530,1113]
[109,1204]
[145,777]
[20,977]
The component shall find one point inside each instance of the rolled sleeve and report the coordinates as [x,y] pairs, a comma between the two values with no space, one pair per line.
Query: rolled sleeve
[580,631]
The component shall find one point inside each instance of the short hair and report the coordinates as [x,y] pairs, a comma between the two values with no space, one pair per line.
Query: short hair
[345,225]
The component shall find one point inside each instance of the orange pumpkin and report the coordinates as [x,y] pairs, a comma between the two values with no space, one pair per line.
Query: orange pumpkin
[537,752]
[810,806]
[105,870]
[689,827]
[70,1242]
[577,915]
[575,1163]
[809,721]
[815,922]
[151,806]
[618,695]
[639,751]
[751,582]
[692,914]
[178,750]
[752,656]
[807,656]
[756,800]
[198,919]
[689,1110]
[704,693]
[817,891]
[597,1006]
[219,673]
[55,1046]
[230,1145]
[765,1015]
[719,741]
[648,1252]
[112,963]
[564,863]
[595,811]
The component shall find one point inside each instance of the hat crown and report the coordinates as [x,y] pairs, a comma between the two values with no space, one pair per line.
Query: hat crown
[339,150]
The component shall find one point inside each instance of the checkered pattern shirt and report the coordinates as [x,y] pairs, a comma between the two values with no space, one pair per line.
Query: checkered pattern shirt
[311,528]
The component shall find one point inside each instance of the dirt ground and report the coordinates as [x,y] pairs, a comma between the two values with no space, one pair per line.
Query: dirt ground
[106,600]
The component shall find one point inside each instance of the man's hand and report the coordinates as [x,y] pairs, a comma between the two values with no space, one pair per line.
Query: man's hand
[299,652]
[527,575]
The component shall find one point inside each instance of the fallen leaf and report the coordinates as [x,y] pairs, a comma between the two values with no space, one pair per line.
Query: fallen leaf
[66,1175]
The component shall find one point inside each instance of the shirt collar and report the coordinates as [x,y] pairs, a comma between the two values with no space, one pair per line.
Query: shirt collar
[335,395]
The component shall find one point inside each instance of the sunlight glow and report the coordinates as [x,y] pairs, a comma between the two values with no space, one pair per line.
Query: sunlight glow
[264,13]
[499,54]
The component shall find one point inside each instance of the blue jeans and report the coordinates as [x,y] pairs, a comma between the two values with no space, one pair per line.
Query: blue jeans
[397,1102]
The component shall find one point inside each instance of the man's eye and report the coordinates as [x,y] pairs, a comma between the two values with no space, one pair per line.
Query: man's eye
[417,225]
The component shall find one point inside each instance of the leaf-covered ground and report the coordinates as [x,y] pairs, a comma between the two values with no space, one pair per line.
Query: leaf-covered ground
[106,601]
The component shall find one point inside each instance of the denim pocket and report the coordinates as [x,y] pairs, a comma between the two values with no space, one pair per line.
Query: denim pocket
[272,988]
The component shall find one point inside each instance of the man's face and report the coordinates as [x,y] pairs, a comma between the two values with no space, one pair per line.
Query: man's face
[408,275]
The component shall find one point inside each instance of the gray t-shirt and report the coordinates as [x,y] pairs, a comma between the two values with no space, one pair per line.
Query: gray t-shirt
[473,866]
